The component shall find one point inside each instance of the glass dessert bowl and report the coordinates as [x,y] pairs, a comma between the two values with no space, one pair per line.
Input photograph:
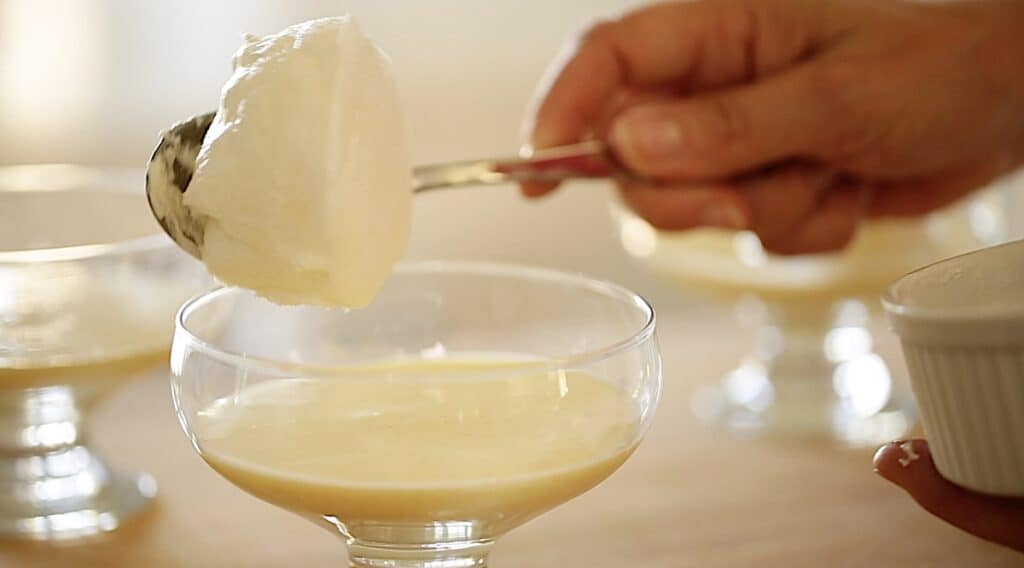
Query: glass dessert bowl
[88,287]
[815,369]
[465,400]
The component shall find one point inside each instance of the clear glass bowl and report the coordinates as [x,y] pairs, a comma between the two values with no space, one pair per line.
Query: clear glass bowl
[815,369]
[465,400]
[88,290]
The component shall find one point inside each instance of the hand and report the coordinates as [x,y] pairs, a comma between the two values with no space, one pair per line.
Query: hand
[999,520]
[795,118]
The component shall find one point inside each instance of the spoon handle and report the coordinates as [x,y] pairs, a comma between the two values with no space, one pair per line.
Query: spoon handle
[583,160]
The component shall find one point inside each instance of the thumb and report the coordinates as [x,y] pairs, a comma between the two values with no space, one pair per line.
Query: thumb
[728,132]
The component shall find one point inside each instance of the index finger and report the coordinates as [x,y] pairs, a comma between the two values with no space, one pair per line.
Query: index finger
[688,45]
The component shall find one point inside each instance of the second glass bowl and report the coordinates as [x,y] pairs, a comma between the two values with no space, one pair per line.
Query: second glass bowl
[815,369]
[88,289]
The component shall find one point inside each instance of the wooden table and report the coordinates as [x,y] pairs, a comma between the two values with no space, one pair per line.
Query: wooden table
[689,497]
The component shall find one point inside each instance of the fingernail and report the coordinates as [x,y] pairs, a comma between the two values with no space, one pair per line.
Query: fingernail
[647,133]
[724,215]
[905,450]
[878,456]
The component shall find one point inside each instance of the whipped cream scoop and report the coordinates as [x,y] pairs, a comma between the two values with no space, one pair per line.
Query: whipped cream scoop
[299,187]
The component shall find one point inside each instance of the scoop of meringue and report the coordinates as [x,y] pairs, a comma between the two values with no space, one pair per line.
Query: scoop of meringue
[303,178]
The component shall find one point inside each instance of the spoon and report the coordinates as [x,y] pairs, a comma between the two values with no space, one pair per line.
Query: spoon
[173,164]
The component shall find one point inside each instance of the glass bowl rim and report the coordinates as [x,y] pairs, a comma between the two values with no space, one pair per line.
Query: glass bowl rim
[183,336]
[154,242]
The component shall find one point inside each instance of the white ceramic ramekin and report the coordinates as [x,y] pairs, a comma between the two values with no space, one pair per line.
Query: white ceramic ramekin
[961,324]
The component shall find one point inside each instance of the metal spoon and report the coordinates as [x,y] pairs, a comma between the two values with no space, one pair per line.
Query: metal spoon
[174,162]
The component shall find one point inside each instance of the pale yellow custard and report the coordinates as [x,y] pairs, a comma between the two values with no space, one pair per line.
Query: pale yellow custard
[432,447]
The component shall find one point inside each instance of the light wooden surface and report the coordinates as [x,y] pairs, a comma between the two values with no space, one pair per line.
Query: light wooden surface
[689,497]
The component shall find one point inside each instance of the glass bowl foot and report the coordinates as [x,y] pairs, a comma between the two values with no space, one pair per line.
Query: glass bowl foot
[52,485]
[440,544]
[853,404]
[66,495]
[813,373]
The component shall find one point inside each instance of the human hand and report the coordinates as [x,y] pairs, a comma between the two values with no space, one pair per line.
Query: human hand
[1000,520]
[795,118]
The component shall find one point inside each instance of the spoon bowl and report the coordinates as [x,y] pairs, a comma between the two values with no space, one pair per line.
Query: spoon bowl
[174,162]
